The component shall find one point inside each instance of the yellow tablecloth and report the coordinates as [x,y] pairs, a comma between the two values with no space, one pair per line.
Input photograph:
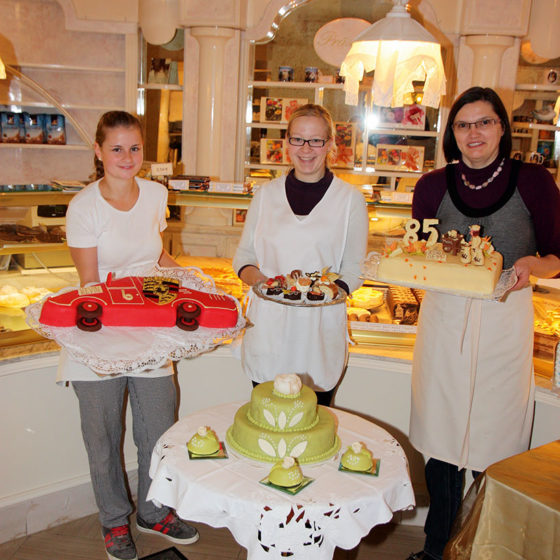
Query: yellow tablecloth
[516,514]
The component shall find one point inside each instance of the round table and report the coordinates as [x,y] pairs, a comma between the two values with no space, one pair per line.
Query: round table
[336,509]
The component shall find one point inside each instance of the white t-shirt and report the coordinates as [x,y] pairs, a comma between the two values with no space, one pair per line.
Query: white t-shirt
[128,244]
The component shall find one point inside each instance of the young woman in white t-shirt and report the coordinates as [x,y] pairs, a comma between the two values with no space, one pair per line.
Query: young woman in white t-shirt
[114,225]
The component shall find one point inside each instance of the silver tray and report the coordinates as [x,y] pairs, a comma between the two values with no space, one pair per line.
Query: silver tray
[507,280]
[303,302]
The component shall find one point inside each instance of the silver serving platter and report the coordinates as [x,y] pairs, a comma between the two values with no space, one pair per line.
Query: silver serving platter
[260,290]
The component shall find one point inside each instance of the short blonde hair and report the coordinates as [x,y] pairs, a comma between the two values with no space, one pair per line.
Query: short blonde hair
[313,110]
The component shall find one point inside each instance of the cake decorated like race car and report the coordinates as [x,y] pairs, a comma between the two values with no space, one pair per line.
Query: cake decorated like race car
[133,301]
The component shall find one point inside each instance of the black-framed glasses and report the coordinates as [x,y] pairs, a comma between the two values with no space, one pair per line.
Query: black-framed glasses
[481,124]
[313,142]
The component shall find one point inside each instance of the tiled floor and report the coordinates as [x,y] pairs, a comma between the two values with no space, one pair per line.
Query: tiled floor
[81,540]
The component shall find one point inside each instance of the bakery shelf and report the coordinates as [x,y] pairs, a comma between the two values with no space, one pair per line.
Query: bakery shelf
[171,87]
[536,126]
[45,146]
[26,248]
[47,198]
[206,199]
[295,85]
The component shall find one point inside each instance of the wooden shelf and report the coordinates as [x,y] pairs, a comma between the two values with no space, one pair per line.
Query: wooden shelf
[295,85]
[26,248]
[45,146]
[171,87]
[538,87]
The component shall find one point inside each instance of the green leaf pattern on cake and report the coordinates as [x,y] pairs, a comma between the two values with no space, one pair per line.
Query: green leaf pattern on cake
[282,449]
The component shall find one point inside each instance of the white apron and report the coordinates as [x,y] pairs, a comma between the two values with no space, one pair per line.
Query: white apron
[472,379]
[287,339]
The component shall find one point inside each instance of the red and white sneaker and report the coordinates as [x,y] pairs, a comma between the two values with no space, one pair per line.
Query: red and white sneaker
[171,527]
[118,543]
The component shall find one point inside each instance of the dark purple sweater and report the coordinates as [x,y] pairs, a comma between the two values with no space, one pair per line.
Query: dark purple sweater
[535,184]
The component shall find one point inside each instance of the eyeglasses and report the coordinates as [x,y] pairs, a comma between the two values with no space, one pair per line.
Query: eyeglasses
[313,142]
[482,124]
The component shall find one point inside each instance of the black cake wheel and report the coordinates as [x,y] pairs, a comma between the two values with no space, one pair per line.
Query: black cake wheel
[89,309]
[187,324]
[88,324]
[188,310]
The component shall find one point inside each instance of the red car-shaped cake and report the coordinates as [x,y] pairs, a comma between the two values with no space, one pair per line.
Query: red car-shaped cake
[152,301]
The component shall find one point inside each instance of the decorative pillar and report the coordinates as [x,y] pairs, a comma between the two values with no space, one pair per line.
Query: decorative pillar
[212,41]
[488,51]
[210,102]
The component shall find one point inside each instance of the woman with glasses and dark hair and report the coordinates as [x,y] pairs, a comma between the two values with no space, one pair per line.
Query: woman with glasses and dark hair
[306,220]
[472,373]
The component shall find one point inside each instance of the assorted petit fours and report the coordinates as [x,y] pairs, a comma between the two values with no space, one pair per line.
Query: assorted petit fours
[286,473]
[357,458]
[204,442]
[316,286]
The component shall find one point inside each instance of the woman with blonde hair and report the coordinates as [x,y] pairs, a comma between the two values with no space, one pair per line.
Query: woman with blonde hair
[307,220]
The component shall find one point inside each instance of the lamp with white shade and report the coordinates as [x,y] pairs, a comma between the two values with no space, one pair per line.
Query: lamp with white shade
[2,70]
[400,51]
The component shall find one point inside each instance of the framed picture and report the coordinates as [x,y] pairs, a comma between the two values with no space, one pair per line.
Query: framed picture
[345,140]
[409,116]
[271,109]
[392,157]
[546,148]
[273,151]
[239,215]
[289,105]
[551,76]
[279,109]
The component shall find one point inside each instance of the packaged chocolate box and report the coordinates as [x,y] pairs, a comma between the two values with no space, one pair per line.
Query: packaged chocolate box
[12,128]
[55,129]
[34,128]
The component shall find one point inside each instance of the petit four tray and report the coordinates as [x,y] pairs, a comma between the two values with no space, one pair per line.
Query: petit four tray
[507,280]
[260,290]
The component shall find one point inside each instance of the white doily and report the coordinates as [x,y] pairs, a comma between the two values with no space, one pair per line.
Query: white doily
[507,280]
[114,350]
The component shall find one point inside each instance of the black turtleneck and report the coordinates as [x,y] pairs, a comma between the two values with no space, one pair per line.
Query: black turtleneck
[303,197]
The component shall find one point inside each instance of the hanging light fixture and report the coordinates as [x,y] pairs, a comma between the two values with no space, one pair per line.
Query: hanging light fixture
[400,51]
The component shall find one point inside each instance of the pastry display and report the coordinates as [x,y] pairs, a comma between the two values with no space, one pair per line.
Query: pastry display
[283,419]
[357,458]
[12,297]
[286,473]
[17,233]
[403,305]
[366,298]
[204,442]
[133,301]
[461,263]
[297,286]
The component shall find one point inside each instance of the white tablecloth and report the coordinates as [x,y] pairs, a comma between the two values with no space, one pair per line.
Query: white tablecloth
[336,509]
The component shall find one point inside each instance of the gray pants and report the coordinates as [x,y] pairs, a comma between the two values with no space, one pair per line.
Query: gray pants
[153,404]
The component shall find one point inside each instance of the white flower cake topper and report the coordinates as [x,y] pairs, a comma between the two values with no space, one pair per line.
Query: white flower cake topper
[287,384]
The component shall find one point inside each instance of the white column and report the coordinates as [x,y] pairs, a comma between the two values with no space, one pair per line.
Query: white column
[210,103]
[488,51]
[212,41]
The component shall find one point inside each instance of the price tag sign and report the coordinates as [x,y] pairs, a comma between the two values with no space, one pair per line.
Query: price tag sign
[162,169]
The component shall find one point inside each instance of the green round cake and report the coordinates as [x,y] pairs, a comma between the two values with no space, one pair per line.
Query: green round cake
[280,422]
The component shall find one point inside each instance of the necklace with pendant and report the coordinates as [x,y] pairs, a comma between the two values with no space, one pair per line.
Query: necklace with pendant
[487,182]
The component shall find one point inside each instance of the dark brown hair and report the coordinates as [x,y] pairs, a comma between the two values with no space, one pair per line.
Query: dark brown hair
[110,120]
[471,95]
